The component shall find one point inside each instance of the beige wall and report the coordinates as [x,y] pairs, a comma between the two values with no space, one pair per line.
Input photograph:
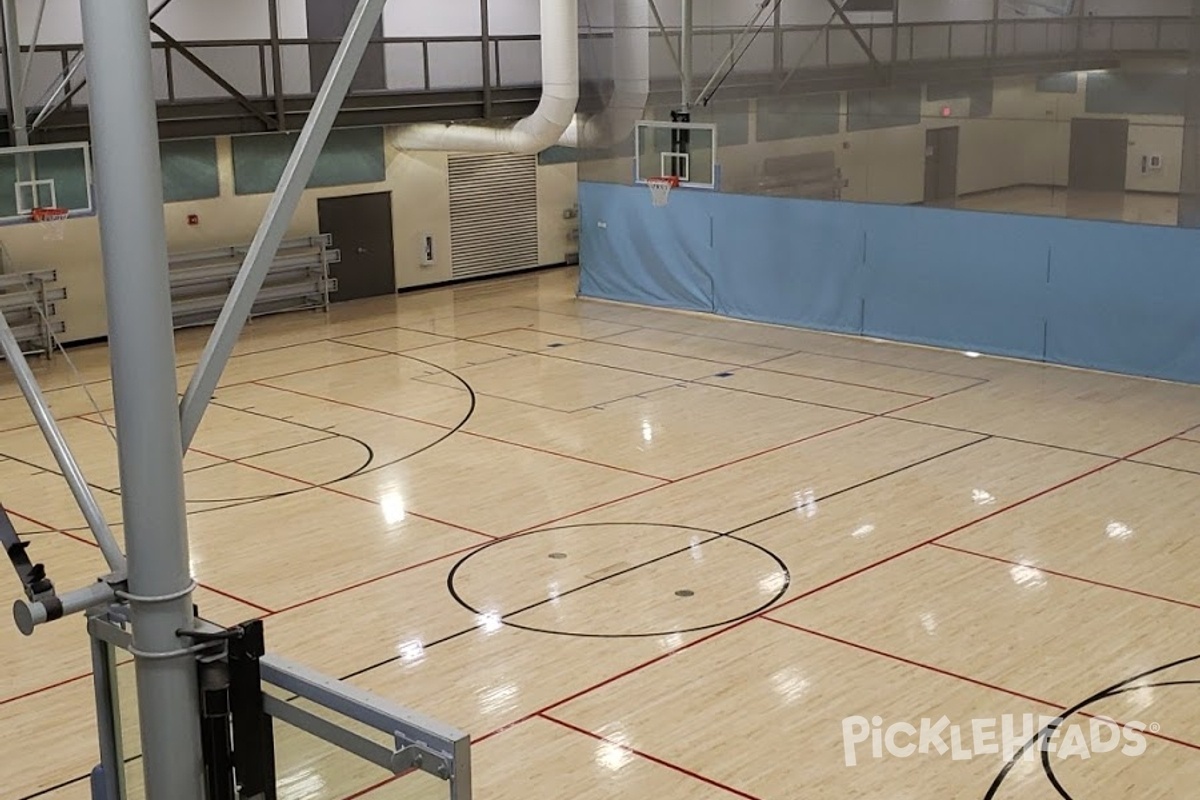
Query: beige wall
[420,201]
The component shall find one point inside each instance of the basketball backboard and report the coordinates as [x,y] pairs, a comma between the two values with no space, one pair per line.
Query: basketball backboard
[684,150]
[45,176]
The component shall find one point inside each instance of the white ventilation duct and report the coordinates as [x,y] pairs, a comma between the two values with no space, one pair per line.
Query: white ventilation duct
[542,129]
[631,84]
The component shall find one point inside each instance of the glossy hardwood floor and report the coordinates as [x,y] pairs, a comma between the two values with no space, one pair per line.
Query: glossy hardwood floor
[647,554]
[1140,207]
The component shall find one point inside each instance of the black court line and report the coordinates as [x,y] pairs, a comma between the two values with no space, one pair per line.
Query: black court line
[709,316]
[680,551]
[367,468]
[425,379]
[226,461]
[1042,738]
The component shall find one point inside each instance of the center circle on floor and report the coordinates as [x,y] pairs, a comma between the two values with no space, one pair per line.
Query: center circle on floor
[618,580]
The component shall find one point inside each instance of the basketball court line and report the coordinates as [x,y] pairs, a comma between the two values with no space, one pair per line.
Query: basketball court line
[1065,575]
[51,687]
[708,637]
[226,461]
[110,410]
[1164,466]
[862,338]
[756,365]
[653,759]
[361,499]
[965,678]
[38,468]
[672,554]
[425,379]
[472,434]
[785,398]
[91,543]
[700,381]
[185,364]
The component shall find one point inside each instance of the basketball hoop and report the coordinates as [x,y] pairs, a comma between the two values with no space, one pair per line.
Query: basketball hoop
[660,189]
[52,221]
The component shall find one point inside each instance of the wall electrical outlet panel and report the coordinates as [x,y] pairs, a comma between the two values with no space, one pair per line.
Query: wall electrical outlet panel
[428,250]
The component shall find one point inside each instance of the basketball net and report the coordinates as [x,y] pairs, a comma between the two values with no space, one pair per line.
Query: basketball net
[660,189]
[53,222]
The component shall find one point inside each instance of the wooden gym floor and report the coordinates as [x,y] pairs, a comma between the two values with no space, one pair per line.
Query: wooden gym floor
[645,554]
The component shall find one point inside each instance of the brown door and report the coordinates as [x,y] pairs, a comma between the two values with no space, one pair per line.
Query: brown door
[941,166]
[361,229]
[1099,152]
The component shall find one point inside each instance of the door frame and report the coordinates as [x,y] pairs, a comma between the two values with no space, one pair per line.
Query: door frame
[931,143]
[388,194]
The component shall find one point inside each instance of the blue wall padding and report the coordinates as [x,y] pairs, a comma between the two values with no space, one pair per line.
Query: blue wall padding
[1112,296]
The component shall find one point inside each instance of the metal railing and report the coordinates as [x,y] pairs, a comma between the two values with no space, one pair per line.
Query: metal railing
[265,69]
[211,69]
[814,47]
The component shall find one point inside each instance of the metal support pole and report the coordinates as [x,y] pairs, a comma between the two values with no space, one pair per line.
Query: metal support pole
[141,343]
[37,31]
[277,66]
[49,109]
[662,29]
[895,32]
[485,27]
[854,32]
[108,718]
[283,205]
[12,73]
[736,51]
[687,59]
[777,60]
[995,49]
[28,615]
[58,446]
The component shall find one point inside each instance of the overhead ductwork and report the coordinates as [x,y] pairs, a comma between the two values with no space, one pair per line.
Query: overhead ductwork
[631,84]
[540,130]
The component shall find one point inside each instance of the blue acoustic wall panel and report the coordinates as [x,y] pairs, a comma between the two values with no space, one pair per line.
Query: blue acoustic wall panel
[1124,299]
[667,263]
[813,261]
[943,278]
[1110,296]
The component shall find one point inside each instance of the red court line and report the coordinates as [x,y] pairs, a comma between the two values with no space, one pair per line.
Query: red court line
[91,543]
[44,689]
[757,364]
[346,494]
[851,384]
[707,637]
[654,759]
[718,467]
[377,579]
[293,373]
[957,676]
[463,431]
[1066,575]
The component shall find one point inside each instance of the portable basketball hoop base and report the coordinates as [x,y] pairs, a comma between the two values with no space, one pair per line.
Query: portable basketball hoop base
[661,188]
[51,219]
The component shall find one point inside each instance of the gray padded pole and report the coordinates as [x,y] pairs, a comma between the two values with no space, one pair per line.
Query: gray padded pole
[12,72]
[141,341]
[279,215]
[58,446]
[687,58]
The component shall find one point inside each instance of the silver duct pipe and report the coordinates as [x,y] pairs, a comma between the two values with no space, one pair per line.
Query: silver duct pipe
[542,129]
[631,81]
